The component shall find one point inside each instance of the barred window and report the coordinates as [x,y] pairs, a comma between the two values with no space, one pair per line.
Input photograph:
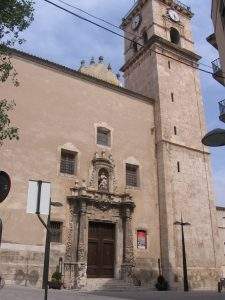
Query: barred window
[56,231]
[103,136]
[67,164]
[132,175]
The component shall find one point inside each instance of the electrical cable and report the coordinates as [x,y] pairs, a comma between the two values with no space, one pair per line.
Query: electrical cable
[113,25]
[126,38]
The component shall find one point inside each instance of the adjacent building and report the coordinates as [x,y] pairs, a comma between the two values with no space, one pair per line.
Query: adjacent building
[124,162]
[217,39]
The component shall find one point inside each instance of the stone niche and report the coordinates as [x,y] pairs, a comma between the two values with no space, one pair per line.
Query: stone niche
[98,201]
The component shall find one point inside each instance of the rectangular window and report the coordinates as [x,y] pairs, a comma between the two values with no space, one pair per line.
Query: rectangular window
[141,239]
[67,164]
[132,175]
[56,231]
[103,136]
[178,167]
[172,97]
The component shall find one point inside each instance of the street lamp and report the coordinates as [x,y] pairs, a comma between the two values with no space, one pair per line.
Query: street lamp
[185,276]
[214,138]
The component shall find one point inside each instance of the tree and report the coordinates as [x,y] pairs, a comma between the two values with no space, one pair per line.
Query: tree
[15,17]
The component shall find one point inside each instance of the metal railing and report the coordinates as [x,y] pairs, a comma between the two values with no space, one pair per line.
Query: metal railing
[216,65]
[182,5]
[222,107]
[188,8]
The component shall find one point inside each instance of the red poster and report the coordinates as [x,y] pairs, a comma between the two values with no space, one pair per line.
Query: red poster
[141,239]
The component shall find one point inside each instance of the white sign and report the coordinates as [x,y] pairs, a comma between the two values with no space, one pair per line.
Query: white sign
[32,197]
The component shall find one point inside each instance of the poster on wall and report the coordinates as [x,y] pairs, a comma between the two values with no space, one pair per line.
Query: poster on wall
[141,239]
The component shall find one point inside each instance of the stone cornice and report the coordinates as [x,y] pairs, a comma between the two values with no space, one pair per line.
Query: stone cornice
[100,199]
[183,146]
[157,40]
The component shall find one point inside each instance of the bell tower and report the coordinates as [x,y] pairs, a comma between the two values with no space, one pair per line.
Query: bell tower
[160,62]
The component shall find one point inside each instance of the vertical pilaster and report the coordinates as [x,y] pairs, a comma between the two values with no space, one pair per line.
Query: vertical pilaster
[81,274]
[128,259]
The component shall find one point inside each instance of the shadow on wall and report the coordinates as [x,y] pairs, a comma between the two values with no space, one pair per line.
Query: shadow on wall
[26,278]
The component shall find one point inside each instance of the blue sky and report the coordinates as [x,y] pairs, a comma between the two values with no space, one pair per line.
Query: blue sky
[62,38]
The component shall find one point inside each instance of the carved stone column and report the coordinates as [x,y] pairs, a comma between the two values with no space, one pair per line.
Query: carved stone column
[69,263]
[128,260]
[81,274]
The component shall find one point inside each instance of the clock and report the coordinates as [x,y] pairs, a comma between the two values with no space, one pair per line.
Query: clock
[173,15]
[136,21]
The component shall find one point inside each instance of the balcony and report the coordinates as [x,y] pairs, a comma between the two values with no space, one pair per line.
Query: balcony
[222,110]
[212,40]
[217,71]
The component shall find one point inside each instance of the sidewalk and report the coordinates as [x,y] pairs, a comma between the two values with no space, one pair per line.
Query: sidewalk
[23,293]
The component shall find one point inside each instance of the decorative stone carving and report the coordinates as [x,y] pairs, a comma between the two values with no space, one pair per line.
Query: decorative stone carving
[94,201]
[99,180]
[103,180]
[69,235]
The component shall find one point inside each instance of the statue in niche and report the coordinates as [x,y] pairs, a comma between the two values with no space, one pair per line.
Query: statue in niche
[103,180]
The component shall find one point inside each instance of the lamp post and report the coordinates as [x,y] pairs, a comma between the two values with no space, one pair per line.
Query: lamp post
[47,249]
[185,276]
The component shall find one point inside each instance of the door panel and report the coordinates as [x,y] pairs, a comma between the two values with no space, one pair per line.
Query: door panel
[93,259]
[101,250]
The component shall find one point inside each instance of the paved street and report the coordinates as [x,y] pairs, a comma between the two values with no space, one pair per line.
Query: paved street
[34,294]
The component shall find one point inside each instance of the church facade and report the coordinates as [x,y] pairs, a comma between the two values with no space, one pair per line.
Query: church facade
[124,162]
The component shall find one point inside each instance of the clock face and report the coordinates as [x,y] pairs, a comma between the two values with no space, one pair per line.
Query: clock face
[174,15]
[136,22]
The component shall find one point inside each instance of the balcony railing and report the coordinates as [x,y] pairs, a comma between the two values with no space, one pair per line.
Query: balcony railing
[188,8]
[216,65]
[182,5]
[218,72]
[222,110]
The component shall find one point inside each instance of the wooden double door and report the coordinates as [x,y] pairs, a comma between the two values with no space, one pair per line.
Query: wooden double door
[101,250]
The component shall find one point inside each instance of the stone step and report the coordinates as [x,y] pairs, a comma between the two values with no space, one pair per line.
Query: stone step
[107,284]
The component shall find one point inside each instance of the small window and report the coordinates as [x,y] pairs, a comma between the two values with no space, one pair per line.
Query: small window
[222,12]
[174,36]
[175,130]
[56,232]
[169,64]
[141,239]
[178,167]
[145,37]
[132,175]
[103,136]
[172,97]
[67,164]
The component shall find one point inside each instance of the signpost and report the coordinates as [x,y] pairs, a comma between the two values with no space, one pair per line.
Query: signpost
[39,203]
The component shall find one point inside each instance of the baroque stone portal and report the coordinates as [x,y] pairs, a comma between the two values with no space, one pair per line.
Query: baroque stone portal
[98,202]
